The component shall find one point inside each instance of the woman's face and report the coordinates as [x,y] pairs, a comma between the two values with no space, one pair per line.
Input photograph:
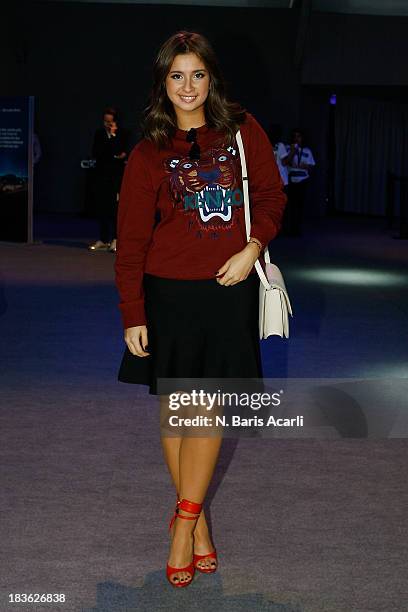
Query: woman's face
[187,83]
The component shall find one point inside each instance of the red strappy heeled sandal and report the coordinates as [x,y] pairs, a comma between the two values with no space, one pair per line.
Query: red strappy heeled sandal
[196,558]
[193,508]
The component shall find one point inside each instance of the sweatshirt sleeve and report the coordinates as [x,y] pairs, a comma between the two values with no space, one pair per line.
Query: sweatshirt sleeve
[136,216]
[267,199]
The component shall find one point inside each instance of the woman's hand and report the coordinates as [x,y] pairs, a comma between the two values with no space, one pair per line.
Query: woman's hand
[136,340]
[237,267]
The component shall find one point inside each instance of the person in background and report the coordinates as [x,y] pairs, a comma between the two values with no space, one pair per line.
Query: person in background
[280,152]
[299,162]
[110,150]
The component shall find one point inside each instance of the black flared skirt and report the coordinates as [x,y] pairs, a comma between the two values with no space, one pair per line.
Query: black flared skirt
[197,329]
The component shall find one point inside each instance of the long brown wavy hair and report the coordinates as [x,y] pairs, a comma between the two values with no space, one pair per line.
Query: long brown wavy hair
[159,122]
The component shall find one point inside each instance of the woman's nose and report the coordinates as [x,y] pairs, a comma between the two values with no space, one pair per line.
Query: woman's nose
[188,85]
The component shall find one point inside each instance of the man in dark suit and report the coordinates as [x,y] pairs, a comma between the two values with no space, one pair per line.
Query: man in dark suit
[110,150]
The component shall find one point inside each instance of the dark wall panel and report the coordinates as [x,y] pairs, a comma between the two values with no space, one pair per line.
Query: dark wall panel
[77,58]
[356,50]
[82,57]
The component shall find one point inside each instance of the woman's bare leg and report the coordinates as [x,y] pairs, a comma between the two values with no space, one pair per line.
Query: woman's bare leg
[191,462]
[202,538]
[170,444]
[198,457]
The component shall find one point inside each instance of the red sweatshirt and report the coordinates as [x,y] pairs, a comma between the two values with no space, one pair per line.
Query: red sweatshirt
[200,206]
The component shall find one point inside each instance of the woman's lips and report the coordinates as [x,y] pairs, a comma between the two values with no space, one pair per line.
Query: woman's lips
[188,99]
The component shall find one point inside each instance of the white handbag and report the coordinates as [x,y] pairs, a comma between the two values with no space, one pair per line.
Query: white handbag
[274,303]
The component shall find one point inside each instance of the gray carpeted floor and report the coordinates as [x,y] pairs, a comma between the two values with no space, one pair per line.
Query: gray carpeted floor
[300,525]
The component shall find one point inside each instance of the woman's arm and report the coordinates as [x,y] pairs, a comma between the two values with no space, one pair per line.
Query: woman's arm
[266,196]
[267,202]
[120,146]
[238,267]
[136,214]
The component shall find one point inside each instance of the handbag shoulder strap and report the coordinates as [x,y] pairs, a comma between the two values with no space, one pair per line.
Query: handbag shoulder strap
[258,266]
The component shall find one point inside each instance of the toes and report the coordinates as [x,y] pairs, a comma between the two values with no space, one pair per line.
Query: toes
[207,564]
[181,578]
[187,578]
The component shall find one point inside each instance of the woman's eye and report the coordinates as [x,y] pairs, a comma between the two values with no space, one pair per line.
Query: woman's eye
[176,77]
[199,75]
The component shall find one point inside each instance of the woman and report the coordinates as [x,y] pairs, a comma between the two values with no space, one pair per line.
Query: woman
[183,266]
[110,148]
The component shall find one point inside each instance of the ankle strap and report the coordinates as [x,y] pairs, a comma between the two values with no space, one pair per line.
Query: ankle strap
[189,506]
